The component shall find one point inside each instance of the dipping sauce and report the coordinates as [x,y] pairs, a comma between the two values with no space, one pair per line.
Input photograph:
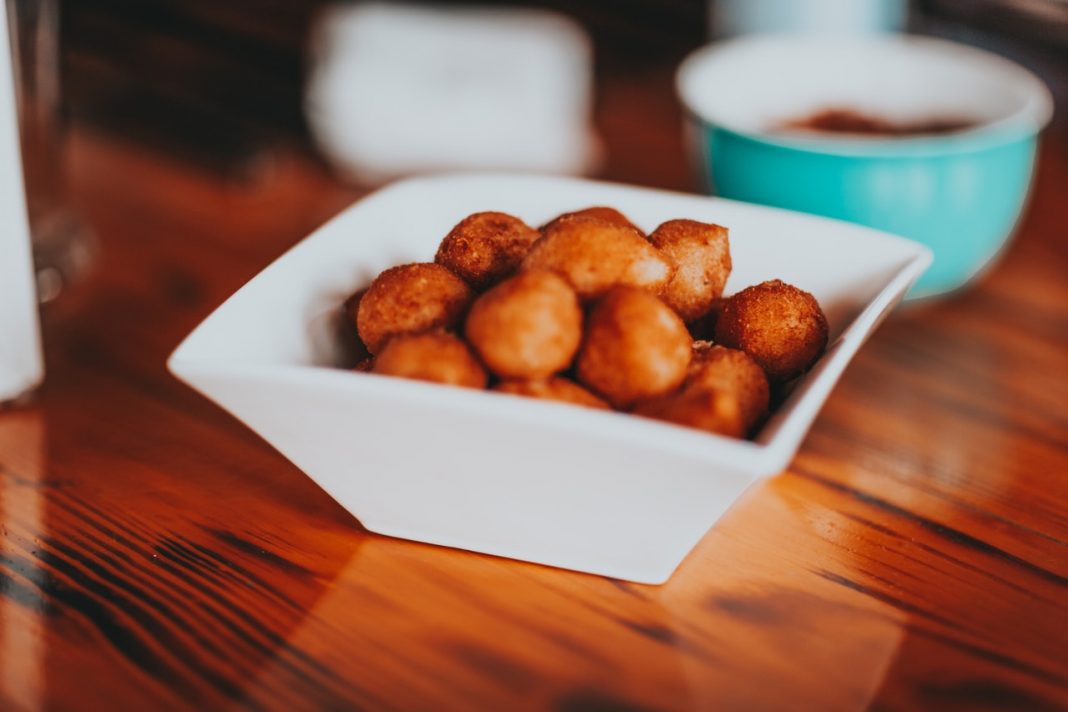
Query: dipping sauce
[848,121]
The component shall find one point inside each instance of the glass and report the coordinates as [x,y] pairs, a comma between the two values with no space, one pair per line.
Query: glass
[61,242]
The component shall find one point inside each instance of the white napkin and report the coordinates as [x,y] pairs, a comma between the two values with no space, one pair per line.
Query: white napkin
[403,89]
[21,367]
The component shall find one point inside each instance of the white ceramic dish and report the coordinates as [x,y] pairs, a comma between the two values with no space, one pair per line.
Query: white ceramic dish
[600,492]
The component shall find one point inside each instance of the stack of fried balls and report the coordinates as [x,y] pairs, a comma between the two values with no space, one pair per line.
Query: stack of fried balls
[591,311]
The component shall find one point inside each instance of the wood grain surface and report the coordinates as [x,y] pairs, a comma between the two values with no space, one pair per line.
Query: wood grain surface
[156,555]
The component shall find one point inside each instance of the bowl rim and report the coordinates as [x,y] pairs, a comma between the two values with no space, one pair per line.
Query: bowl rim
[1027,121]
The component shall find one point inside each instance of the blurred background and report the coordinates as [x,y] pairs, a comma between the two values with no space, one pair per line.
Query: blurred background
[222,84]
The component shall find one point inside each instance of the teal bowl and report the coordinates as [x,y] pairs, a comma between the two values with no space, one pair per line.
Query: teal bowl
[959,193]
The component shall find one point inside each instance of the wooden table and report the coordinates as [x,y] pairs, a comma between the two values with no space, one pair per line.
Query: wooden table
[156,555]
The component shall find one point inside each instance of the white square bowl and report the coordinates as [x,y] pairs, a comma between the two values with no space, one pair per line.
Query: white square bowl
[605,493]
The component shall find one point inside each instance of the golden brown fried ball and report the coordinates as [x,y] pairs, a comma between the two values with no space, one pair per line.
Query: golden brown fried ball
[556,388]
[484,248]
[365,365]
[594,256]
[779,325]
[528,326]
[700,253]
[707,409]
[409,299]
[636,347]
[608,215]
[730,371]
[431,356]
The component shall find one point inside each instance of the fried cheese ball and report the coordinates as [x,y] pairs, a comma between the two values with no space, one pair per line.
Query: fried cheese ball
[528,326]
[408,299]
[730,371]
[706,409]
[636,347]
[700,253]
[430,356]
[608,215]
[594,256]
[556,388]
[484,248]
[779,325]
